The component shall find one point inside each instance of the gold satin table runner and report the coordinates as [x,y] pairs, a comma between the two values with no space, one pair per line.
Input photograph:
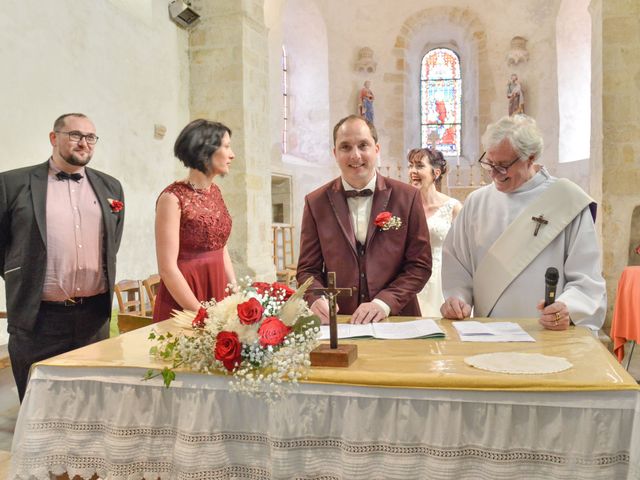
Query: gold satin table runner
[416,363]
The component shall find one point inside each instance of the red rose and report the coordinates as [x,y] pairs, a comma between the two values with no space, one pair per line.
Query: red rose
[638,249]
[198,321]
[272,331]
[228,349]
[250,312]
[261,287]
[382,219]
[285,289]
[116,205]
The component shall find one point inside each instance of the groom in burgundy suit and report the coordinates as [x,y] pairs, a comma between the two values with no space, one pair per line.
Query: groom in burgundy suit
[369,229]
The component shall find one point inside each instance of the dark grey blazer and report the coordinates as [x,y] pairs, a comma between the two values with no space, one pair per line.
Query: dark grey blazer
[23,236]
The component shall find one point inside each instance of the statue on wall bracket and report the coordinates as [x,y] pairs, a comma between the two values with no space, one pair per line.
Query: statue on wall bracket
[515,94]
[365,102]
[518,51]
[365,62]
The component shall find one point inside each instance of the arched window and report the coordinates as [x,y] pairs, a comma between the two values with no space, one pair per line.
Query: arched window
[441,100]
[285,100]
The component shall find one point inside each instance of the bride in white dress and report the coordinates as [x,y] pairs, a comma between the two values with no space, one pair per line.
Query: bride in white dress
[426,169]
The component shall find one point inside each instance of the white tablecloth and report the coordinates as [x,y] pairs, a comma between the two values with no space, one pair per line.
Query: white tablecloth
[105,420]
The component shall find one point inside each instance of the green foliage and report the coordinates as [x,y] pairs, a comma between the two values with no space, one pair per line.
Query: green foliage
[168,376]
[166,350]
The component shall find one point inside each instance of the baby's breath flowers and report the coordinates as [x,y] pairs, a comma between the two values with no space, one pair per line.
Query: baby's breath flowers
[261,334]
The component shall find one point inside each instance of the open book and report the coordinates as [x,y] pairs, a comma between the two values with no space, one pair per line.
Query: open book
[423,328]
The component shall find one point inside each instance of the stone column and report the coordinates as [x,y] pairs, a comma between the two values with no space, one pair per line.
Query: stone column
[229,83]
[620,131]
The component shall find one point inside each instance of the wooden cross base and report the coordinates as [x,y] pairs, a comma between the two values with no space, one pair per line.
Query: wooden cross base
[325,356]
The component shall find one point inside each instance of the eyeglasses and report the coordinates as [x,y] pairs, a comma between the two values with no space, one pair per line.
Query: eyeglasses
[77,137]
[500,169]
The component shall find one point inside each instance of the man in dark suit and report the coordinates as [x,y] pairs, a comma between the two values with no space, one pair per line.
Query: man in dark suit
[60,229]
[369,229]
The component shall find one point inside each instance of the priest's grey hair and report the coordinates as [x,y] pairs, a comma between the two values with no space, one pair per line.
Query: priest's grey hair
[521,131]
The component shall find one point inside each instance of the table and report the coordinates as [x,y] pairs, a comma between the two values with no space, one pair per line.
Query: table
[405,409]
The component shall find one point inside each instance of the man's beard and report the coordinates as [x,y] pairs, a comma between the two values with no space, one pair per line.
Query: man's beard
[75,161]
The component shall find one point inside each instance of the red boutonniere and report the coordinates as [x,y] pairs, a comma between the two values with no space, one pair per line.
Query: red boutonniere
[387,221]
[638,249]
[116,205]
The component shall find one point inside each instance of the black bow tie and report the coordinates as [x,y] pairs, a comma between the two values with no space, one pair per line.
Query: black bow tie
[355,193]
[69,176]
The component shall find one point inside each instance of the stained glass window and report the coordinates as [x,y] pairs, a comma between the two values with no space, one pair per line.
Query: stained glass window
[441,100]
[285,100]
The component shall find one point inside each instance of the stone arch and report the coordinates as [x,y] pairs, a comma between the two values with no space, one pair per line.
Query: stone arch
[470,39]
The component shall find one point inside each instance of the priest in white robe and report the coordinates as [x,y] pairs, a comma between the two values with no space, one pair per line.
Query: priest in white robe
[508,233]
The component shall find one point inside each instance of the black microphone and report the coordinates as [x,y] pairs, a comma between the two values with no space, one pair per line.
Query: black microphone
[550,283]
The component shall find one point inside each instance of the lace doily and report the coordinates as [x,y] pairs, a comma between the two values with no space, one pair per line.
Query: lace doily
[518,363]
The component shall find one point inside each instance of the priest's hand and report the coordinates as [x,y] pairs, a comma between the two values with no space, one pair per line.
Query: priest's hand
[456,309]
[554,316]
[368,312]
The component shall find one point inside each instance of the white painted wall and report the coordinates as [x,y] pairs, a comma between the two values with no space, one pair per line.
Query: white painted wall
[299,25]
[573,42]
[305,38]
[125,65]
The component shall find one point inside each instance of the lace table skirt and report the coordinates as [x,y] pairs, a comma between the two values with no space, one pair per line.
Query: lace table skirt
[107,421]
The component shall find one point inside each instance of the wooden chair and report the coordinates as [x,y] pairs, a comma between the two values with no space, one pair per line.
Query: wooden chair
[130,297]
[151,284]
[283,254]
[131,307]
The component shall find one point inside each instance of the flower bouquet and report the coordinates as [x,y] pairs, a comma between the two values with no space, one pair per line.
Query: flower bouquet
[262,335]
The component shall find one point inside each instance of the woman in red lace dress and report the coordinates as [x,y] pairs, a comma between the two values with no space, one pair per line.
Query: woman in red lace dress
[193,223]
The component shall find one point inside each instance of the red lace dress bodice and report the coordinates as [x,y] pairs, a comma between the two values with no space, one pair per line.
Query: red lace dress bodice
[205,226]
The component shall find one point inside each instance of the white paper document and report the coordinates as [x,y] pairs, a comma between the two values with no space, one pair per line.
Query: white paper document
[472,331]
[423,328]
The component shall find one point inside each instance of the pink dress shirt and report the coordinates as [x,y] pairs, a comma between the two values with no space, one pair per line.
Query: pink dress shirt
[74,239]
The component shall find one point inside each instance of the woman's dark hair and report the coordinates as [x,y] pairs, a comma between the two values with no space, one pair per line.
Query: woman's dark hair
[198,141]
[435,158]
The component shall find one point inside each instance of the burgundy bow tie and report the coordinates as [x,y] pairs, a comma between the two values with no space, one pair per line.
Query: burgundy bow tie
[69,176]
[355,193]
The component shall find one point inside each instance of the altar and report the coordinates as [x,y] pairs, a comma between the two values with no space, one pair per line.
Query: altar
[404,409]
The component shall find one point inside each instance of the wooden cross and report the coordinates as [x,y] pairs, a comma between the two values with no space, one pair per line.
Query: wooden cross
[540,221]
[332,293]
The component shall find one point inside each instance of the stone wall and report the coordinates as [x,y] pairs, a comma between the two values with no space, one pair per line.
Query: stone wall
[229,76]
[620,130]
